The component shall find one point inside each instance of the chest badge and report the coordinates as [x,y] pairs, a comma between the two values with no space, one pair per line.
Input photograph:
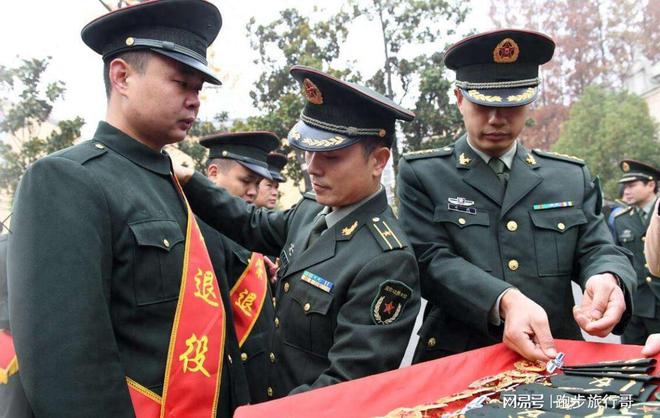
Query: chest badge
[461,204]
[317,281]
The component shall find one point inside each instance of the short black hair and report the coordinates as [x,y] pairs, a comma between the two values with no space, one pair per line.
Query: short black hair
[371,143]
[136,59]
[655,182]
[224,164]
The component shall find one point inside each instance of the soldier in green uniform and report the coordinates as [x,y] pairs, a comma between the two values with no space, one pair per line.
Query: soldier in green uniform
[269,188]
[238,163]
[500,231]
[640,187]
[97,250]
[347,290]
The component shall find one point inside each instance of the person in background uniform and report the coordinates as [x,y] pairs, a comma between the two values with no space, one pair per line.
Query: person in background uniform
[238,163]
[13,403]
[103,240]
[500,231]
[639,190]
[348,288]
[269,188]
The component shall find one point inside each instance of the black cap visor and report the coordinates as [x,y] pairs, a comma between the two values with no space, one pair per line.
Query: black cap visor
[190,62]
[260,170]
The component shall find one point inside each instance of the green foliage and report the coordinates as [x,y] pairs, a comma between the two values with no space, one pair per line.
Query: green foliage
[26,104]
[605,127]
[296,39]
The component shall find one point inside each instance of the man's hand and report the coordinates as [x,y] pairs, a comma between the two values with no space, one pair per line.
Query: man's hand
[183,174]
[526,327]
[272,269]
[652,346]
[602,305]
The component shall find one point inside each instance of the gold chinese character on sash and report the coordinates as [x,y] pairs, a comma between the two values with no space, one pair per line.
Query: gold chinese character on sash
[195,356]
[245,301]
[261,273]
[205,289]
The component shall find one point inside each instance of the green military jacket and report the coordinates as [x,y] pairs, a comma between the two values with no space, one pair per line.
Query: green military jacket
[95,264]
[345,307]
[473,240]
[253,350]
[629,231]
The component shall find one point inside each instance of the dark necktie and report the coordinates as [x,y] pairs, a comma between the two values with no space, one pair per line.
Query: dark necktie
[319,226]
[500,170]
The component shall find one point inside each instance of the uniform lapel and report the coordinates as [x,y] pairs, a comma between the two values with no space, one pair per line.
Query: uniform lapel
[522,179]
[477,173]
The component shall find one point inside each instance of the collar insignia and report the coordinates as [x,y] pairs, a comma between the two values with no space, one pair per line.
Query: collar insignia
[349,229]
[530,160]
[463,159]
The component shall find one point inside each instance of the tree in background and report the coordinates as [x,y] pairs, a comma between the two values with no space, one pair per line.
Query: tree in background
[26,106]
[598,41]
[291,39]
[405,25]
[605,127]
[295,39]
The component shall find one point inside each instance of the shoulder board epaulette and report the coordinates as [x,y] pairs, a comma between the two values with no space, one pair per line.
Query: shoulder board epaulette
[384,235]
[83,152]
[623,212]
[428,153]
[310,195]
[558,156]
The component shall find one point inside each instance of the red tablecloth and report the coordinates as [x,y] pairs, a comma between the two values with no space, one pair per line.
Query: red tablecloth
[422,383]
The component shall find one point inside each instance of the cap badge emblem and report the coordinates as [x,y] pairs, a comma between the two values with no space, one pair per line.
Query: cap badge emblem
[506,51]
[625,167]
[311,92]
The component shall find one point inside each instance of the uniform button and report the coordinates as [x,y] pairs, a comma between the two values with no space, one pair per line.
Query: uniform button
[100,146]
[274,302]
[244,356]
[229,359]
[166,243]
[269,391]
[286,287]
[512,225]
[271,356]
[277,322]
[643,239]
[646,265]
[307,307]
[225,153]
[561,226]
[461,221]
[431,342]
[648,279]
[376,219]
[513,265]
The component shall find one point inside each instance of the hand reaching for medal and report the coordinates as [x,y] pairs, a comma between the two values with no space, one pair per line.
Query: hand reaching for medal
[526,327]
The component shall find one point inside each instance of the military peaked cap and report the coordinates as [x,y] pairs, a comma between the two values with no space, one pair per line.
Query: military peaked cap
[276,162]
[338,114]
[636,170]
[179,29]
[250,149]
[500,68]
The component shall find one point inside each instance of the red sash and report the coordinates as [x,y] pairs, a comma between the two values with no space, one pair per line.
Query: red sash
[195,355]
[8,361]
[248,295]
